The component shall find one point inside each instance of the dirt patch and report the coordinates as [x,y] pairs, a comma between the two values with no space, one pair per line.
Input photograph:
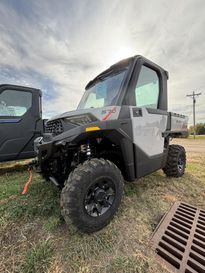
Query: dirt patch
[192,146]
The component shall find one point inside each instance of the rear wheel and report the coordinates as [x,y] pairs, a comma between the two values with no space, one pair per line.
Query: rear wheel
[92,195]
[176,161]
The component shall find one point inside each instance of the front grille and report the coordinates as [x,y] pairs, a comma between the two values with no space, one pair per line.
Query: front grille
[179,240]
[54,126]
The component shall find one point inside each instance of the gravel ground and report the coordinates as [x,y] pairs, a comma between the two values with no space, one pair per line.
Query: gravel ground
[196,146]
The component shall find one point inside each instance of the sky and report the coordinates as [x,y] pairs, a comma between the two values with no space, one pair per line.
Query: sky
[58,46]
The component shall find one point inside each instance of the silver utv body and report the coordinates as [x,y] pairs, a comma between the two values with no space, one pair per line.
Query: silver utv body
[128,105]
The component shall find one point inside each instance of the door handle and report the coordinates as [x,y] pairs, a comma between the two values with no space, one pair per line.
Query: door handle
[137,112]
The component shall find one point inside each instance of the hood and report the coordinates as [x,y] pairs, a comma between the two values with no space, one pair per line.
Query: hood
[103,113]
[68,121]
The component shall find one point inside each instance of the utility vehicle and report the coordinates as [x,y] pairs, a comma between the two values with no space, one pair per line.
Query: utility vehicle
[120,131]
[20,121]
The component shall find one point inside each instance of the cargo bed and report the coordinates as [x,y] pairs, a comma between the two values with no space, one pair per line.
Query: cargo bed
[177,125]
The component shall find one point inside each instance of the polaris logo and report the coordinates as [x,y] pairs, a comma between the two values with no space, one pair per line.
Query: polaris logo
[109,111]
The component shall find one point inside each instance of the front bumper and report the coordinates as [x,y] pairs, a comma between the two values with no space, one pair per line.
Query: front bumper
[43,149]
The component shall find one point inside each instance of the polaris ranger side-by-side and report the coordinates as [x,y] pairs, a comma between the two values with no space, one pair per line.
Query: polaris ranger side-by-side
[121,130]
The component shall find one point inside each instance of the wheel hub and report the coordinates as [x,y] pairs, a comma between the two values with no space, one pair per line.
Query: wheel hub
[180,164]
[100,197]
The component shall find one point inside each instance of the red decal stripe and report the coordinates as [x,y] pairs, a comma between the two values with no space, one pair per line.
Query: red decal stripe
[110,113]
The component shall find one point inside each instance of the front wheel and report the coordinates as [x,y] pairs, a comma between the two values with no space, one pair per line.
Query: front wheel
[92,195]
[176,161]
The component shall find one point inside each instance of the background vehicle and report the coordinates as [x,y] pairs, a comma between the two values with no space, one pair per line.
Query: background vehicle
[20,121]
[121,130]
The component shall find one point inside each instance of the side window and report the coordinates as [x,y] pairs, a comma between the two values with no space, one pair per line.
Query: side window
[14,103]
[147,89]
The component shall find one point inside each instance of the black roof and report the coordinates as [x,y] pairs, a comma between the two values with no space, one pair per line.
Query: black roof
[124,63]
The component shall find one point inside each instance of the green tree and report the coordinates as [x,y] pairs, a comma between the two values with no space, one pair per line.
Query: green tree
[200,129]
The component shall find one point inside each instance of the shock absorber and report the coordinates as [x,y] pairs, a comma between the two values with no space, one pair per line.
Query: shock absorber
[88,150]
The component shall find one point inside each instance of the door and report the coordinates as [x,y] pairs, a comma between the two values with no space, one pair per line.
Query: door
[148,121]
[20,114]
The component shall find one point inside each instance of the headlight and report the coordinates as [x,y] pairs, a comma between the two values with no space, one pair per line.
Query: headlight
[81,119]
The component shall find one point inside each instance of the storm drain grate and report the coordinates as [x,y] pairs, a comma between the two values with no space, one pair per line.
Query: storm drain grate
[179,240]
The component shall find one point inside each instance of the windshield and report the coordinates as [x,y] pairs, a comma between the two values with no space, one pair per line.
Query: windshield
[104,91]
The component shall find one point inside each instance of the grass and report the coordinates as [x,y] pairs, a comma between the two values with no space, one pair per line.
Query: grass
[197,137]
[34,237]
[41,201]
[38,258]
